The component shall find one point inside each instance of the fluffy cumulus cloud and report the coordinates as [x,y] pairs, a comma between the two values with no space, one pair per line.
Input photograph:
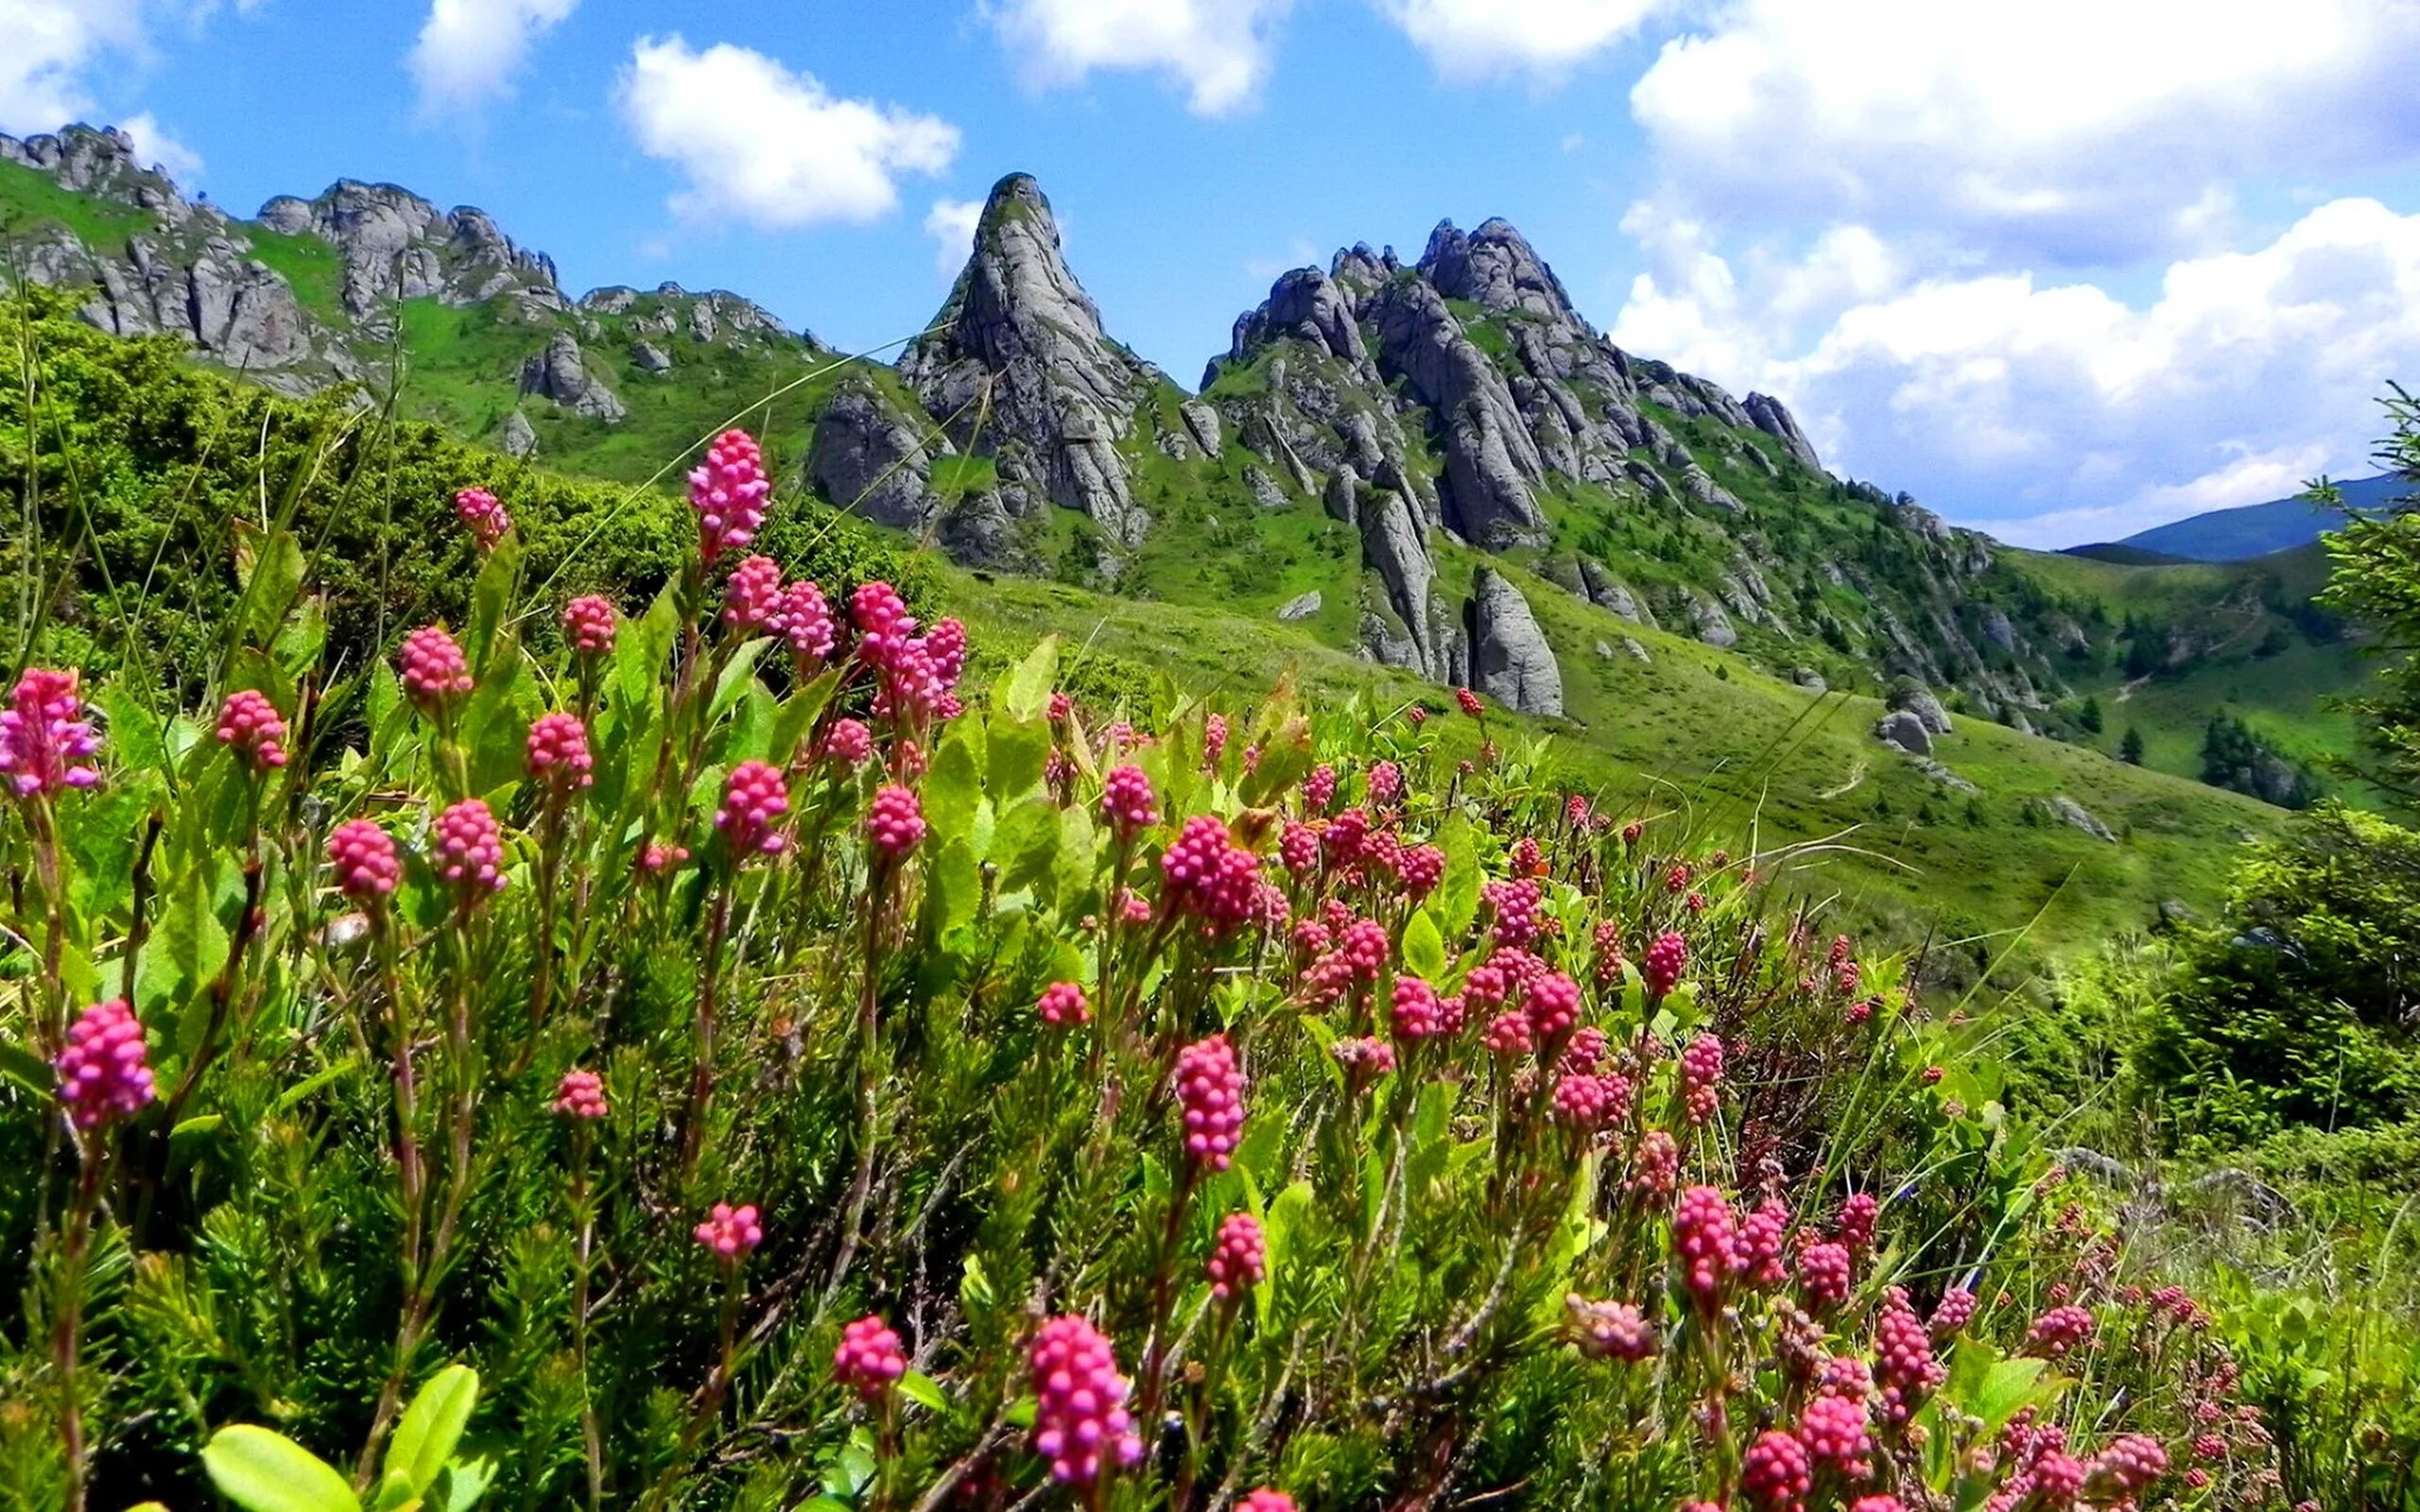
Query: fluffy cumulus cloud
[469,50]
[951,225]
[2077,131]
[762,143]
[154,146]
[2051,410]
[47,49]
[1468,39]
[1217,51]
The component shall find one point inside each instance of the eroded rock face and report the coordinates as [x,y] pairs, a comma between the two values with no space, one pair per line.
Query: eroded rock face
[561,373]
[1768,415]
[1490,461]
[520,437]
[1710,624]
[871,459]
[1395,547]
[397,246]
[1020,328]
[1509,658]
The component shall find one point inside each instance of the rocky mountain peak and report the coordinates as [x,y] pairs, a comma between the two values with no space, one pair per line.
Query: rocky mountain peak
[1495,268]
[1019,332]
[397,245]
[104,163]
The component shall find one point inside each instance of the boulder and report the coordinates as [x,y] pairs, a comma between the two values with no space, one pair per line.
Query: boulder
[1767,414]
[1509,658]
[2072,813]
[1300,608]
[562,374]
[869,458]
[1810,679]
[520,437]
[1905,731]
[648,357]
[1710,624]
[1915,699]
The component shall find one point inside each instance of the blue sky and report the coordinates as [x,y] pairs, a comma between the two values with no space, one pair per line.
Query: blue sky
[2063,270]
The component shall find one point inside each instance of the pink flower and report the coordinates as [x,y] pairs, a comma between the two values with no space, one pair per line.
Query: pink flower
[731,1232]
[102,1074]
[1589,1103]
[1214,741]
[1364,1058]
[364,857]
[1757,1253]
[1834,1433]
[1210,1093]
[1298,848]
[45,742]
[1704,1231]
[479,509]
[1701,1074]
[1610,1330]
[1415,1014]
[1656,1165]
[1319,789]
[895,822]
[1855,1226]
[558,752]
[1266,1499]
[868,1360]
[1062,1004]
[1126,801]
[1904,1364]
[1584,1053]
[1061,707]
[754,797]
[590,622]
[581,1096]
[433,667]
[1664,961]
[1824,1274]
[751,600]
[1508,1034]
[1421,867]
[1081,1421]
[805,621]
[468,848]
[1955,1310]
[1386,784]
[1208,875]
[2059,1331]
[2128,1465]
[1776,1476]
[728,490]
[1239,1258]
[251,726]
[848,742]
[1516,905]
[1554,1006]
[1469,701]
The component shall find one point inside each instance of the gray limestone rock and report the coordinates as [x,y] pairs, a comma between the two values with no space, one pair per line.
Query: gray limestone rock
[1921,701]
[1609,593]
[1509,658]
[562,374]
[1490,461]
[1905,731]
[2072,813]
[1710,624]
[1395,549]
[1202,422]
[872,460]
[1810,679]
[520,437]
[1767,414]
[650,357]
[1300,608]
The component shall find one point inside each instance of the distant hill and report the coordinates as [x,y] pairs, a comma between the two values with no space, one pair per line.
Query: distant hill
[2254,529]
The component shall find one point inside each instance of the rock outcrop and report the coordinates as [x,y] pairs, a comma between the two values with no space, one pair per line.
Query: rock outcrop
[1768,415]
[1393,545]
[1905,731]
[2075,816]
[871,459]
[520,437]
[1491,459]
[1509,658]
[1913,697]
[561,373]
[1020,332]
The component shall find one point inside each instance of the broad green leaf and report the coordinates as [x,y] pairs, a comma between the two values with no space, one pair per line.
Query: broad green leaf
[187,948]
[276,575]
[1423,948]
[1024,690]
[952,788]
[1456,900]
[138,737]
[433,1424]
[923,1390]
[462,1483]
[735,676]
[797,716]
[263,1471]
[492,596]
[1025,845]
[1015,754]
[953,888]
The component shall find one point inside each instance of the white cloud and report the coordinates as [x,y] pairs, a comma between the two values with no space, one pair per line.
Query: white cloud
[2078,130]
[1472,38]
[951,225]
[761,143]
[1217,50]
[154,146]
[2049,409]
[47,47]
[469,50]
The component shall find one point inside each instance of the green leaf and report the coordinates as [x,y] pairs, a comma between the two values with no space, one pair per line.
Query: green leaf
[138,737]
[952,788]
[492,596]
[187,948]
[276,575]
[974,1291]
[798,714]
[263,1471]
[735,676]
[1016,751]
[922,1391]
[461,1485]
[953,888]
[433,1424]
[1424,947]
[28,1070]
[1025,844]
[1024,690]
[1456,900]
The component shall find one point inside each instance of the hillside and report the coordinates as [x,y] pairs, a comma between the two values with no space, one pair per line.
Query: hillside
[2255,531]
[1440,468]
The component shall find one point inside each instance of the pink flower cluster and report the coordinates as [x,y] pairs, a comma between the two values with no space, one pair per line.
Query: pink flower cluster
[914,673]
[2059,1331]
[1903,1360]
[45,742]
[754,797]
[1516,905]
[558,752]
[1700,1076]
[1756,1253]
[249,725]
[1266,1499]
[1553,1001]
[590,622]
[1663,964]
[728,490]
[1081,1421]
[1955,1310]
[1062,1004]
[805,619]
[868,1360]
[2123,1469]
[1126,801]
[751,598]
[1858,1216]
[895,822]
[1469,701]
[1210,1093]
[1776,1473]
[364,857]
[1825,1274]
[1834,1433]
[484,514]
[580,1095]
[1239,1258]
[102,1070]
[1610,1330]
[468,848]
[1210,876]
[1415,1014]
[1386,784]
[434,669]
[1319,788]
[848,742]
[1705,1236]
[731,1232]
[1590,1103]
